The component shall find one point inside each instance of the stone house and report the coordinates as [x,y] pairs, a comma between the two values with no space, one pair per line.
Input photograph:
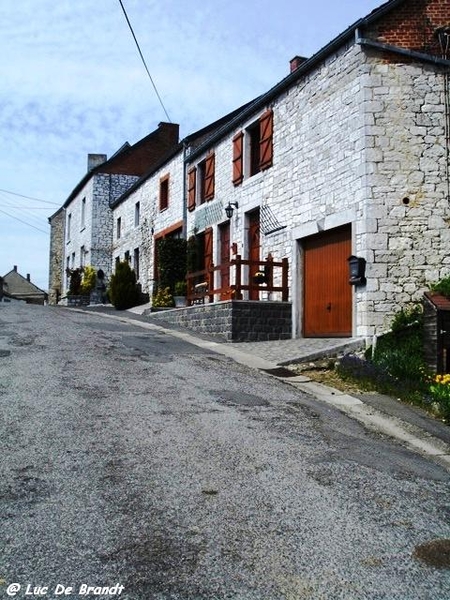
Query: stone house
[15,286]
[346,156]
[82,229]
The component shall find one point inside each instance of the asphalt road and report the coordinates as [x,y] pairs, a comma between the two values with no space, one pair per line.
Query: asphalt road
[138,466]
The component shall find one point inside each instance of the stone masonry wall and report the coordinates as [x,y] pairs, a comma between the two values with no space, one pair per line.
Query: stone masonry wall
[403,232]
[56,264]
[234,321]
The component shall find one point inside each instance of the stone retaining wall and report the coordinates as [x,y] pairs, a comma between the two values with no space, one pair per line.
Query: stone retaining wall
[234,320]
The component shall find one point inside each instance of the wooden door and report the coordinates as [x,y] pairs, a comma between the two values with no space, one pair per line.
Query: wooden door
[254,249]
[224,259]
[327,294]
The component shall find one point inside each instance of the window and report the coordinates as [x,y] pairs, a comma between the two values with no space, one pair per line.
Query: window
[83,213]
[136,262]
[82,255]
[117,260]
[201,182]
[69,224]
[73,260]
[164,192]
[127,256]
[137,214]
[67,271]
[258,145]
[119,228]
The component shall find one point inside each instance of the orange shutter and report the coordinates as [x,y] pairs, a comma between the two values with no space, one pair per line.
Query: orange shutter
[192,180]
[238,171]
[266,140]
[208,248]
[209,176]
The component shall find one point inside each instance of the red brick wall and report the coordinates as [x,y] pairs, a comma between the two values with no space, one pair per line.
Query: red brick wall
[142,156]
[412,25]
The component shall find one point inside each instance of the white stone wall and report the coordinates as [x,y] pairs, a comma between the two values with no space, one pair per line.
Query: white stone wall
[152,220]
[403,233]
[96,234]
[359,141]
[79,235]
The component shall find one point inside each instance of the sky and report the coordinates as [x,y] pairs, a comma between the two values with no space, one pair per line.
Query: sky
[73,83]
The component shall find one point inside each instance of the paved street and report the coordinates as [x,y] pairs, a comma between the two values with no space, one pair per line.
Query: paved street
[139,466]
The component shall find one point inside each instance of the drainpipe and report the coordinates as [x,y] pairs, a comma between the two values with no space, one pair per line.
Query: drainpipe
[184,233]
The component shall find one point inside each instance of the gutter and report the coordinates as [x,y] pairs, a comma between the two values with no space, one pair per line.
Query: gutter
[414,54]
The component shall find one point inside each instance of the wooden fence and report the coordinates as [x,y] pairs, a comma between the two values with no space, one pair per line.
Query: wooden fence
[259,276]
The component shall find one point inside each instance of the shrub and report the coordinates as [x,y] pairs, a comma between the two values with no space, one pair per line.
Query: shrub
[123,290]
[75,281]
[163,298]
[171,254]
[89,280]
[442,287]
[439,391]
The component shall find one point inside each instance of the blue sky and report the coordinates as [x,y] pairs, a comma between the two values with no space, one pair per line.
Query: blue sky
[73,83]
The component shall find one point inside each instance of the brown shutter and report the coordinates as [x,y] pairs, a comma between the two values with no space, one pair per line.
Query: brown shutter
[209,176]
[208,248]
[238,164]
[266,140]
[192,181]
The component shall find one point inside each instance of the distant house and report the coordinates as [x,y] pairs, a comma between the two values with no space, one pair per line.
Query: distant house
[82,229]
[21,288]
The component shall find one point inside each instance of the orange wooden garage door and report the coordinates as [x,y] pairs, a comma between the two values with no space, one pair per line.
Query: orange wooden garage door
[327,295]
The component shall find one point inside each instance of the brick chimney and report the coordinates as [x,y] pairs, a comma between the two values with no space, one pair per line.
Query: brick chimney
[296,62]
[28,277]
[15,268]
[95,160]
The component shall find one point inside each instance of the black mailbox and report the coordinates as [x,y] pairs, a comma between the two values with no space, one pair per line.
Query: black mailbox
[357,267]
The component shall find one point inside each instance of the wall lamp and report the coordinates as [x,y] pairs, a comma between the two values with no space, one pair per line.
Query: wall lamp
[229,209]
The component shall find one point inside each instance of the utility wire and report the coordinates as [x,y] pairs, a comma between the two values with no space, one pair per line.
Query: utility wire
[143,61]
[24,222]
[29,197]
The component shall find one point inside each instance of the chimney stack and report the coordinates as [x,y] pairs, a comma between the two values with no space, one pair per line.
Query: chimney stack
[15,268]
[95,160]
[28,277]
[296,62]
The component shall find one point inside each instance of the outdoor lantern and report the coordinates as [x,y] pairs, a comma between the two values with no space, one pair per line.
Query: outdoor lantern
[229,209]
[357,266]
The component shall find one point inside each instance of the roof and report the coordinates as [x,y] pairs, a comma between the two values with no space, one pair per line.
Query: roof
[19,285]
[109,165]
[192,141]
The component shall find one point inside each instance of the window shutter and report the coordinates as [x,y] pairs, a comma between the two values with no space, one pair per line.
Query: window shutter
[238,163]
[209,176]
[266,140]
[208,248]
[192,181]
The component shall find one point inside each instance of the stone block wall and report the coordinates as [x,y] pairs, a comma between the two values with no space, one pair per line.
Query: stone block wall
[56,263]
[233,320]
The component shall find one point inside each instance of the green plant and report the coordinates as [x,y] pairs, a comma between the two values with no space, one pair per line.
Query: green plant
[442,287]
[89,280]
[171,253]
[180,288]
[75,281]
[163,298]
[123,289]
[194,254]
[440,394]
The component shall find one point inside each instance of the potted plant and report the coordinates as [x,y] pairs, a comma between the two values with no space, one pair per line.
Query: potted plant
[259,277]
[179,296]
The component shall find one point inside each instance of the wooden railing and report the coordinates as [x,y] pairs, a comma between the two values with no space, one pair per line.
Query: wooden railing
[200,284]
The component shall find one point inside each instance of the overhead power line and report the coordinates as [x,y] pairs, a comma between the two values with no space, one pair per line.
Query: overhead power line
[143,61]
[24,222]
[29,197]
